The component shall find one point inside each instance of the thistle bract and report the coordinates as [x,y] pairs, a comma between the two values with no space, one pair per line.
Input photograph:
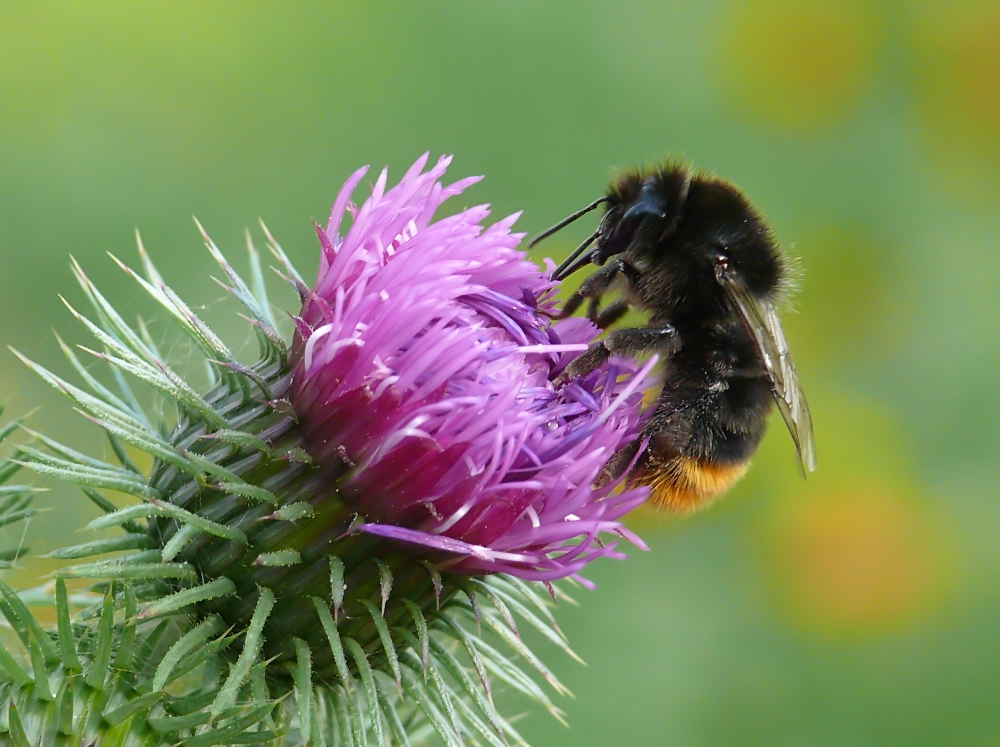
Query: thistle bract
[355,521]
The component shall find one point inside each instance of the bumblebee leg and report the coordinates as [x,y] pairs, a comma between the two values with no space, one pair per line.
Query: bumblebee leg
[620,461]
[625,342]
[571,305]
[610,315]
[595,286]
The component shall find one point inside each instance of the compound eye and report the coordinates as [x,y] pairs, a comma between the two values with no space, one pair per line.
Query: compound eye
[647,205]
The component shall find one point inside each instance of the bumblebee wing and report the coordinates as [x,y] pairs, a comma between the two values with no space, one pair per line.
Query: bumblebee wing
[761,321]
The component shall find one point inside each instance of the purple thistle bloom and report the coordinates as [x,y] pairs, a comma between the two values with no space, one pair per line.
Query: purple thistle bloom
[426,367]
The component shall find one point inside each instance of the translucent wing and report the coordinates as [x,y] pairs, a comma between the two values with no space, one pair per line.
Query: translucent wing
[761,321]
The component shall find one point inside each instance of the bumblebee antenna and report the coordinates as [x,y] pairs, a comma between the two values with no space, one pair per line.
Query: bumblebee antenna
[569,265]
[566,221]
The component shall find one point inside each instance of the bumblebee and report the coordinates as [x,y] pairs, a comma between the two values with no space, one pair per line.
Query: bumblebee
[691,252]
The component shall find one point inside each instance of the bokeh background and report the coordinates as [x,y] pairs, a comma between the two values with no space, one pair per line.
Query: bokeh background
[859,607]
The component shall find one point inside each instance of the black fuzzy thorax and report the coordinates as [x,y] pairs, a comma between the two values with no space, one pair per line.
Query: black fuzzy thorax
[715,395]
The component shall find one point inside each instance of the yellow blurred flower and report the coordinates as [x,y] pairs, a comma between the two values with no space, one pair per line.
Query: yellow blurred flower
[956,74]
[860,556]
[796,65]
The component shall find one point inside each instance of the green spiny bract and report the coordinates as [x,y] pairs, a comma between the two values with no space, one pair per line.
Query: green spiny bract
[236,605]
[331,545]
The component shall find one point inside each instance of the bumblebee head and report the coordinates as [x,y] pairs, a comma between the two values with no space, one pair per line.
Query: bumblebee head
[640,205]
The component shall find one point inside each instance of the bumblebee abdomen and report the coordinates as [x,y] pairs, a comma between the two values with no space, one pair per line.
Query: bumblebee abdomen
[683,484]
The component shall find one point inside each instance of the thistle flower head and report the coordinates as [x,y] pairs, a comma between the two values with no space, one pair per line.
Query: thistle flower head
[426,383]
[320,532]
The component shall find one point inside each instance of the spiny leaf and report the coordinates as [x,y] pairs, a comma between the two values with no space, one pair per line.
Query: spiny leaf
[114,327]
[194,717]
[25,624]
[251,647]
[10,428]
[219,587]
[259,690]
[102,650]
[100,547]
[502,668]
[205,653]
[108,507]
[488,734]
[14,490]
[41,677]
[456,631]
[66,712]
[527,654]
[98,388]
[90,404]
[371,693]
[67,645]
[357,711]
[337,585]
[16,516]
[207,340]
[278,558]
[302,676]
[497,603]
[384,583]
[13,670]
[134,571]
[74,460]
[184,645]
[17,734]
[246,490]
[258,285]
[294,512]
[432,675]
[549,631]
[10,467]
[149,443]
[168,383]
[241,438]
[280,255]
[392,716]
[515,586]
[451,665]
[416,691]
[126,644]
[134,705]
[233,733]
[170,511]
[242,292]
[435,580]
[182,537]
[96,479]
[120,454]
[421,625]
[336,645]
[383,633]
[440,689]
[344,722]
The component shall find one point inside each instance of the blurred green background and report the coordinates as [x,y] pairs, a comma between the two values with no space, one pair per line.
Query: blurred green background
[860,607]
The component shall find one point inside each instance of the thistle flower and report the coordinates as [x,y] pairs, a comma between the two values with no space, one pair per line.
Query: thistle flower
[331,522]
[424,381]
